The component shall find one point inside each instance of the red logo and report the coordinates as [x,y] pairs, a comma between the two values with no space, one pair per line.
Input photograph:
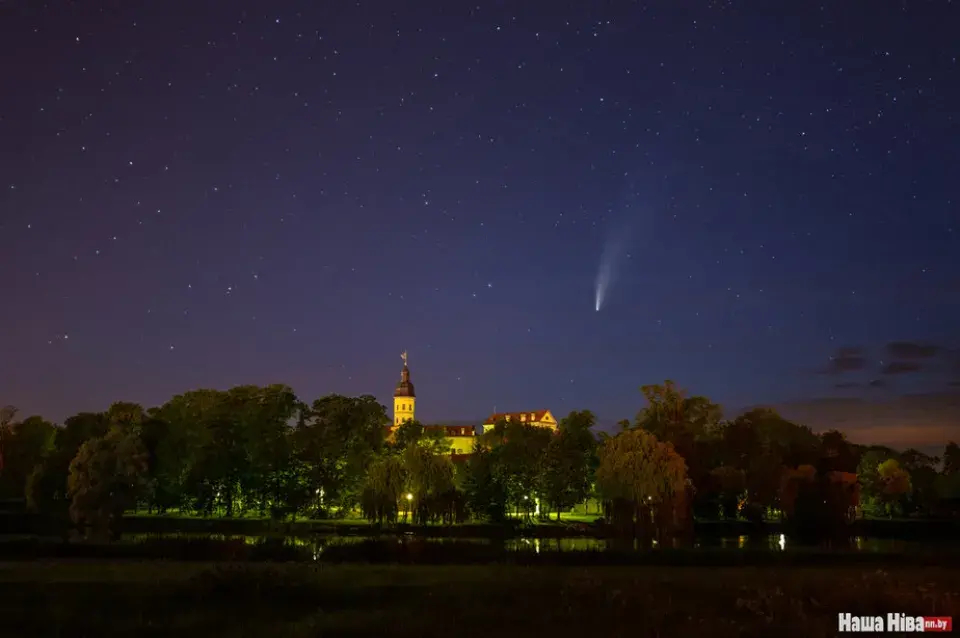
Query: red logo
[938,623]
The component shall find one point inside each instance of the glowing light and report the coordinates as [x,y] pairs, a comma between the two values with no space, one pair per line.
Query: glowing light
[610,259]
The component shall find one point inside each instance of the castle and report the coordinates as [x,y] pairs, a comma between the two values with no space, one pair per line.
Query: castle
[461,437]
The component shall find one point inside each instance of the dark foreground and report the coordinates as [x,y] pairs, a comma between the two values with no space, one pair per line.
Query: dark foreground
[195,599]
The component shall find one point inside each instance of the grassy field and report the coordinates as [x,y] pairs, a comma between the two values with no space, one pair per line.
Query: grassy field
[177,599]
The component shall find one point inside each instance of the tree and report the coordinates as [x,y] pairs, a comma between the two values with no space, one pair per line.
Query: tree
[731,484]
[25,446]
[383,488]
[266,414]
[518,451]
[484,484]
[429,483]
[106,477]
[761,443]
[125,415]
[672,416]
[568,462]
[406,434]
[690,424]
[637,473]
[871,484]
[951,458]
[337,438]
[415,433]
[7,414]
[895,481]
[47,484]
[922,469]
[837,454]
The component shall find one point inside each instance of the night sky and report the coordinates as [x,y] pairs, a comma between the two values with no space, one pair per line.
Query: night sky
[209,194]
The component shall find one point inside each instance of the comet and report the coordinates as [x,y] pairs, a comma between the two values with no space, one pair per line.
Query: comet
[610,259]
[603,283]
[619,234]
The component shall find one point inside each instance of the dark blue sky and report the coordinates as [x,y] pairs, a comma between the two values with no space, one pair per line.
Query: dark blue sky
[209,194]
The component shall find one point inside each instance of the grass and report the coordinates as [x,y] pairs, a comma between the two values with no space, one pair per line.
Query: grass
[198,599]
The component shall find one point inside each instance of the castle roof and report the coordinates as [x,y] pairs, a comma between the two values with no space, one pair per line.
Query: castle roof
[405,386]
[526,417]
[453,430]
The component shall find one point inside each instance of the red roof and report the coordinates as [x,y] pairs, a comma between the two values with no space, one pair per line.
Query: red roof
[524,417]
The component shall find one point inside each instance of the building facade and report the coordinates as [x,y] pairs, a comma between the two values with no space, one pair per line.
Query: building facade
[404,397]
[461,438]
[539,418]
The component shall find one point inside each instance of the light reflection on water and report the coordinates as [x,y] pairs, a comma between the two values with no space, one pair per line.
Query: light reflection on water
[773,542]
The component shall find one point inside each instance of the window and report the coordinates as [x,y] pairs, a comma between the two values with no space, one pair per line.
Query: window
[523,417]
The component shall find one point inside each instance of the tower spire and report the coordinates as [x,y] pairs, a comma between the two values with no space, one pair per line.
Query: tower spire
[404,397]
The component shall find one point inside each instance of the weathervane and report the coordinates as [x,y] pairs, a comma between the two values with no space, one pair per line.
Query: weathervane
[403,355]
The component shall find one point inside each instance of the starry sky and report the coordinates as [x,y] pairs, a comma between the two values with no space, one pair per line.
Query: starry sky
[208,194]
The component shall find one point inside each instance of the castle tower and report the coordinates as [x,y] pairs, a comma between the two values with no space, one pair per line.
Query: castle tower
[404,397]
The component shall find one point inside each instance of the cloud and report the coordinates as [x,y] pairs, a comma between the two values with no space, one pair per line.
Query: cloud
[900,367]
[846,359]
[847,385]
[877,383]
[912,350]
[954,360]
[930,437]
[925,421]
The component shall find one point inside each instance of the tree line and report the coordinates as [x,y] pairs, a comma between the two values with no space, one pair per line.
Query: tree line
[262,451]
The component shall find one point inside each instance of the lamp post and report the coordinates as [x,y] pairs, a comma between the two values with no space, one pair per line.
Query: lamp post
[409,505]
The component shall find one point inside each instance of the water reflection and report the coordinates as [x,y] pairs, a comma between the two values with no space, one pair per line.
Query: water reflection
[773,543]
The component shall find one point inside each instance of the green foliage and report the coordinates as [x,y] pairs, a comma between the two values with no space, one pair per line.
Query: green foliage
[106,477]
[636,467]
[383,489]
[837,455]
[485,485]
[411,433]
[429,482]
[338,437]
[25,445]
[568,462]
[261,451]
[518,450]
[951,458]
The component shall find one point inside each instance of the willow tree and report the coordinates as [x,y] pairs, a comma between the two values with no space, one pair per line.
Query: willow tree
[430,488]
[106,477]
[637,476]
[383,488]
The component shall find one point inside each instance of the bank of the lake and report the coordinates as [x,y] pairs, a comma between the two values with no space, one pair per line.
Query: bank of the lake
[755,551]
[569,527]
[906,529]
[200,599]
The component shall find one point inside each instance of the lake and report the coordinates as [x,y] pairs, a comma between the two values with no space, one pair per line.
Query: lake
[766,542]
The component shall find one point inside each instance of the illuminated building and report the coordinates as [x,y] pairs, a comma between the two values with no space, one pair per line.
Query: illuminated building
[539,418]
[404,397]
[461,438]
